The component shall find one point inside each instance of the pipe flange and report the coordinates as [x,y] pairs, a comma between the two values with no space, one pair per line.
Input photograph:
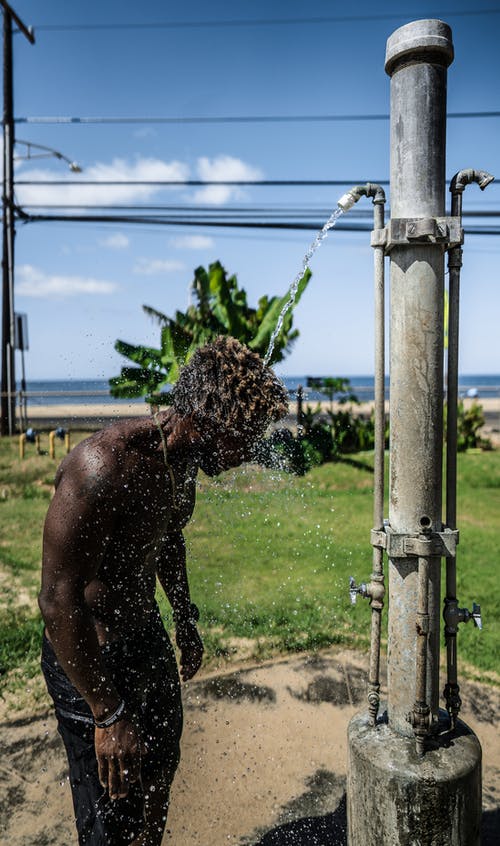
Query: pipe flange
[400,545]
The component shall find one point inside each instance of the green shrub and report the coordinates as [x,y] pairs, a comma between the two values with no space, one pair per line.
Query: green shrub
[469,421]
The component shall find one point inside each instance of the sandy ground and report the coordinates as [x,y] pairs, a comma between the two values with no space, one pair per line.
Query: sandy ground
[263,759]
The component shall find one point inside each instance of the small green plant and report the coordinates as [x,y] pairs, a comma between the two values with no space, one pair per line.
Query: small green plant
[469,422]
[323,435]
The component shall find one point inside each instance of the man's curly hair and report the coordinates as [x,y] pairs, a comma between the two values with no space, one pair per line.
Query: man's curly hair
[227,386]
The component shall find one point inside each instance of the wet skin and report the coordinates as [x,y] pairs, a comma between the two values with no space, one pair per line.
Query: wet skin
[114,525]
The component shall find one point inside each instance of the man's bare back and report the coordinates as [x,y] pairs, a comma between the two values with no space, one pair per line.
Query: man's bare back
[119,480]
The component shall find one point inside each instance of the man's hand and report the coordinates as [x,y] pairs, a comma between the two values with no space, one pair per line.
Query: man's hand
[191,647]
[118,751]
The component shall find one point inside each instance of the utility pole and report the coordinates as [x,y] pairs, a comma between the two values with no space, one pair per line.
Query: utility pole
[8,384]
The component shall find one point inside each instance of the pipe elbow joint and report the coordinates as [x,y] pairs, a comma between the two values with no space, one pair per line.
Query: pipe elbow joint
[465,177]
[376,192]
[370,189]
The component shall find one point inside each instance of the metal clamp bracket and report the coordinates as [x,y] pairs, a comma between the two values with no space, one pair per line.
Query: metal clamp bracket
[444,231]
[442,544]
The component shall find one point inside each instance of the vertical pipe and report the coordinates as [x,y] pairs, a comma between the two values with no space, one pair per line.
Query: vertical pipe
[376,602]
[452,689]
[378,502]
[421,710]
[417,57]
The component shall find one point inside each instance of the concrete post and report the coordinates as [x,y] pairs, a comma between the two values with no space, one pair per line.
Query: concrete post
[396,794]
[417,58]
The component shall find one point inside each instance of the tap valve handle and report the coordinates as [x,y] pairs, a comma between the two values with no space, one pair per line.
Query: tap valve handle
[476,615]
[354,589]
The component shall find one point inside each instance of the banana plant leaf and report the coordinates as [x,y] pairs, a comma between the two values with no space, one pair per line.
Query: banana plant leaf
[135,382]
[272,314]
[145,356]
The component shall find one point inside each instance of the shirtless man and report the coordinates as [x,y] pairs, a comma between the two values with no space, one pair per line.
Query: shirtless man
[115,523]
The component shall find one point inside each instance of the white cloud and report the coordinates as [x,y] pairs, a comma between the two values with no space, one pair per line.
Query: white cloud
[221,169]
[192,242]
[116,241]
[151,267]
[151,170]
[121,170]
[32,282]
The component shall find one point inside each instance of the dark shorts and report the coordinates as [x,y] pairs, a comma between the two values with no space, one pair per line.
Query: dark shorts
[144,671]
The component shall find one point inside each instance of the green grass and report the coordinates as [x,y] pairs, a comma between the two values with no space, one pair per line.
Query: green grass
[280,566]
[270,557]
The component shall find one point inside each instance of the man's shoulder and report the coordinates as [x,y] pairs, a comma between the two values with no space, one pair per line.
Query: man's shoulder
[106,453]
[92,460]
[113,442]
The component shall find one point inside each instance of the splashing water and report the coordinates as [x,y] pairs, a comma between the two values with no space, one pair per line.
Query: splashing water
[330,223]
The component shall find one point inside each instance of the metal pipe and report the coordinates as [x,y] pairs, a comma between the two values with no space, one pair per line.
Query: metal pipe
[375,590]
[370,189]
[457,187]
[420,716]
[417,58]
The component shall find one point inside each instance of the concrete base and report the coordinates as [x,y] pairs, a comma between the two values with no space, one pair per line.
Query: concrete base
[395,798]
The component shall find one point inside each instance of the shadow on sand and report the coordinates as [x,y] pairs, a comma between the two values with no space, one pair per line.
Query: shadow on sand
[331,830]
[490,828]
[328,830]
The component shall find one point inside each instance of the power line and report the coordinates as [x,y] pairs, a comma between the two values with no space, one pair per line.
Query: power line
[249,22]
[239,211]
[160,220]
[218,119]
[200,182]
[197,183]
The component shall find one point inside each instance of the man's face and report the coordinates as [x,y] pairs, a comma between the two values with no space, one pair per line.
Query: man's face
[225,450]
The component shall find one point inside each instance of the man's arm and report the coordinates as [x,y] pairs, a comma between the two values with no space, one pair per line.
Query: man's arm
[76,526]
[172,573]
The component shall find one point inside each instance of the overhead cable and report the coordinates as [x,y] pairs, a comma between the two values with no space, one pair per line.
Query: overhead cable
[195,182]
[239,211]
[249,22]
[162,119]
[161,220]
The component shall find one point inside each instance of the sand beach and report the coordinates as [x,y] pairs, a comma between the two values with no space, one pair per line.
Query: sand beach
[89,417]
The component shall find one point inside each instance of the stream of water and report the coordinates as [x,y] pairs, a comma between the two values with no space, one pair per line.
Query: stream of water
[292,293]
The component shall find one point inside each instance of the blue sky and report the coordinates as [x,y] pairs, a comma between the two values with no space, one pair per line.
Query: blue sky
[82,285]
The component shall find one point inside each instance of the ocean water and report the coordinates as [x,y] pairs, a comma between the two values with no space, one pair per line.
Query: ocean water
[96,391]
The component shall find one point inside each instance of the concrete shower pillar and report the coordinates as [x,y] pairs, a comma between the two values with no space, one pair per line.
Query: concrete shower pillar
[395,797]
